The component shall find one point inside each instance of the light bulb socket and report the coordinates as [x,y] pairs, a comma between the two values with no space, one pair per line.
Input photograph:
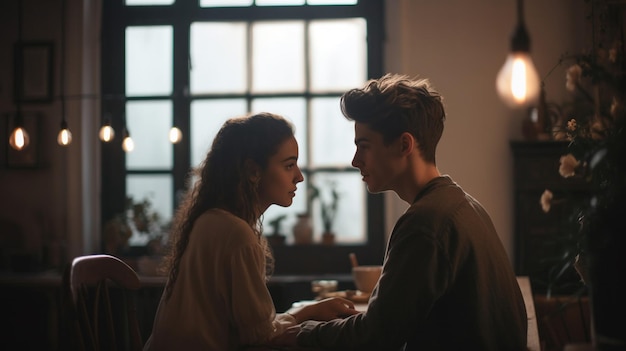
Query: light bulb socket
[63,124]
[520,42]
[19,120]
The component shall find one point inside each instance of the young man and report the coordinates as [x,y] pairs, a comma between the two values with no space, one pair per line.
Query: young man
[447,283]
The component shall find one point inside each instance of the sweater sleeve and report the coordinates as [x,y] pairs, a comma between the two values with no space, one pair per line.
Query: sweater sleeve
[401,300]
[252,307]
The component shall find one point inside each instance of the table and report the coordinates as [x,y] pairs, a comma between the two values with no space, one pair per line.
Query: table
[361,307]
[533,343]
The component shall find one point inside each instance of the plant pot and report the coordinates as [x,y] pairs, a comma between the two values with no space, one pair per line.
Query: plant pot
[328,238]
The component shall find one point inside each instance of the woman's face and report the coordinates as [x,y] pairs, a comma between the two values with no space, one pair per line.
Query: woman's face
[279,179]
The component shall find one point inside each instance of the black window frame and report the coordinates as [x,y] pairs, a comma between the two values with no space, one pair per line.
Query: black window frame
[289,259]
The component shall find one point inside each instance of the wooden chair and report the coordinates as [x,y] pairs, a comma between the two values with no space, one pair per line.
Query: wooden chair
[100,306]
[532,335]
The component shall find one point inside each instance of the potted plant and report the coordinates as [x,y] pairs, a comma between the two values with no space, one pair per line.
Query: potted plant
[594,124]
[276,237]
[137,229]
[328,209]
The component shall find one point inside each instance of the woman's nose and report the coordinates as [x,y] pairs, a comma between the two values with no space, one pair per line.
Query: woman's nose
[299,176]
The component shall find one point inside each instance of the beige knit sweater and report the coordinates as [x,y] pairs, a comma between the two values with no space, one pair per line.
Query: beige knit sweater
[220,299]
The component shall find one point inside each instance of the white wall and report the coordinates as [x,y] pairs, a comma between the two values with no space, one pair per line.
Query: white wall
[460,46]
[58,203]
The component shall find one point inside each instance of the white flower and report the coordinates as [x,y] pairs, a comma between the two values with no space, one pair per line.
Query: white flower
[613,55]
[573,77]
[546,200]
[568,166]
[571,125]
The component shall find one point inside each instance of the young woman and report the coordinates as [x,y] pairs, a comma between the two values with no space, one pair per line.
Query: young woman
[216,296]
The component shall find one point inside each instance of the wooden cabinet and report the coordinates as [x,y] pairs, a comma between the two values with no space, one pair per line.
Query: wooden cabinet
[541,237]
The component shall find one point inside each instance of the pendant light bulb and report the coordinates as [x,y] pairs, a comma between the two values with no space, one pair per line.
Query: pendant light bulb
[19,138]
[175,135]
[65,136]
[518,82]
[106,133]
[128,144]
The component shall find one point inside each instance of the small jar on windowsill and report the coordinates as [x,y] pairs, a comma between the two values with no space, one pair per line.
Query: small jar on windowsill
[328,238]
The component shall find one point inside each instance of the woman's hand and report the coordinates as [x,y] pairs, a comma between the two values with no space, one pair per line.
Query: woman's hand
[324,310]
[288,338]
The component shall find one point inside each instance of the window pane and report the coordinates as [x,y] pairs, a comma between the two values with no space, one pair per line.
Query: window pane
[149,123]
[338,62]
[225,72]
[149,2]
[349,223]
[278,56]
[225,3]
[148,60]
[332,135]
[155,188]
[279,2]
[293,109]
[207,117]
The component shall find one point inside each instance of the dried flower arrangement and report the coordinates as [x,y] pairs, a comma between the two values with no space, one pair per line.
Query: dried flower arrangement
[593,123]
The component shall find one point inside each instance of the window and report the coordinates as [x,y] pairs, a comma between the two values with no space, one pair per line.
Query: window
[193,64]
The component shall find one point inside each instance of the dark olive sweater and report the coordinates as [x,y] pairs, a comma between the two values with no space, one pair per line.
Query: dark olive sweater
[447,284]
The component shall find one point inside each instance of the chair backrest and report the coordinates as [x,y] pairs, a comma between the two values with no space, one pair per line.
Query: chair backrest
[532,334]
[100,305]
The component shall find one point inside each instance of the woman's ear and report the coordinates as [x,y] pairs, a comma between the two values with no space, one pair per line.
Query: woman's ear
[253,171]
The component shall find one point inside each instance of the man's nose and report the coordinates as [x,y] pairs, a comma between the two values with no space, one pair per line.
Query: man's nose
[355,161]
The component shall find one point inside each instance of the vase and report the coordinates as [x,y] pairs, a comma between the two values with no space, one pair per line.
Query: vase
[608,305]
[536,124]
[303,230]
[606,272]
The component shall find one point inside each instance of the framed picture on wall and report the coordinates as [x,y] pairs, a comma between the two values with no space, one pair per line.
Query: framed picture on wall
[28,157]
[33,72]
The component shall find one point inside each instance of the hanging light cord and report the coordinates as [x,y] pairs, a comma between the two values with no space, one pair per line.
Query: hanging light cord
[20,19]
[521,40]
[62,81]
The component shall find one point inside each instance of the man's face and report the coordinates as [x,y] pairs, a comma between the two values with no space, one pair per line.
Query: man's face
[378,163]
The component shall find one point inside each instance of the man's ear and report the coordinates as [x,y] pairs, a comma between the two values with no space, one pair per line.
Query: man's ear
[253,171]
[407,143]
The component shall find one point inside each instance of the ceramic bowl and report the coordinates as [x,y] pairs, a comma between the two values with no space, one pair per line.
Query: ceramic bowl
[366,277]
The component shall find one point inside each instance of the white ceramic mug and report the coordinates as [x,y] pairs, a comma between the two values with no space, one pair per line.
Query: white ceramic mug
[366,277]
